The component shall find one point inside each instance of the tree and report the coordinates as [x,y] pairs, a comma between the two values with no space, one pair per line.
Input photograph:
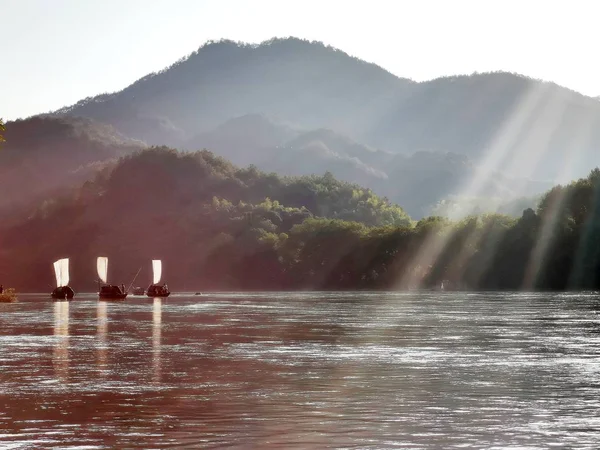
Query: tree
[2,129]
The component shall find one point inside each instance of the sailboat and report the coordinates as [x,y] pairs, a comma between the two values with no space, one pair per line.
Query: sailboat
[108,291]
[61,271]
[156,290]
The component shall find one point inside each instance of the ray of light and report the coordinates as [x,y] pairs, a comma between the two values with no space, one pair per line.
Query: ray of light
[503,144]
[551,216]
[528,154]
[544,239]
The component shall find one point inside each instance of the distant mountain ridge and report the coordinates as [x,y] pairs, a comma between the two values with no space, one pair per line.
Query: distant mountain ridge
[327,110]
[43,154]
[298,81]
[417,182]
[314,86]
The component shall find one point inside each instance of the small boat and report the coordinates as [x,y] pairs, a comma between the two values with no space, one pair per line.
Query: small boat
[108,291]
[8,295]
[63,290]
[155,289]
[138,291]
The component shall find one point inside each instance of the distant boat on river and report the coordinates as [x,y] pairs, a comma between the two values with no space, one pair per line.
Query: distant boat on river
[156,290]
[8,295]
[63,290]
[138,290]
[108,291]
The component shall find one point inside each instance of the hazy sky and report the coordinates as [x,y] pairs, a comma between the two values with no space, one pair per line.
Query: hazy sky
[56,52]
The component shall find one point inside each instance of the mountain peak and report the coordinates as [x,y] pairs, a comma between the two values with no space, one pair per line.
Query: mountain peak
[315,86]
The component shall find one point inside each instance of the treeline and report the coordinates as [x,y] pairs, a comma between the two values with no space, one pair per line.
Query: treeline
[213,224]
[217,226]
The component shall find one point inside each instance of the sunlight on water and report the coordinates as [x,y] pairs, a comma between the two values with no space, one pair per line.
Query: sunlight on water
[102,330]
[156,332]
[306,370]
[61,346]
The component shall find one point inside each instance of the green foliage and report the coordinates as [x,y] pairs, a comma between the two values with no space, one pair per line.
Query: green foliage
[209,220]
[217,226]
[2,130]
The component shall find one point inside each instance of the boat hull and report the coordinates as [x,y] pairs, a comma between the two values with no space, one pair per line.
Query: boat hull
[63,292]
[156,290]
[111,292]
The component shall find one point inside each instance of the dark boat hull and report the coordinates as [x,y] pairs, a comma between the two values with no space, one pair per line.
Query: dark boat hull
[157,291]
[63,292]
[110,292]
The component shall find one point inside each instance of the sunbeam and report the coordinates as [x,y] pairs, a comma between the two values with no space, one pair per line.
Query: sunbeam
[551,215]
[500,149]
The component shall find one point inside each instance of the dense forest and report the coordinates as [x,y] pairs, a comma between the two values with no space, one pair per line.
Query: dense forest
[212,223]
[217,226]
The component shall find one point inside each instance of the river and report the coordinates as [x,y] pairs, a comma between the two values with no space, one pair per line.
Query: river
[302,370]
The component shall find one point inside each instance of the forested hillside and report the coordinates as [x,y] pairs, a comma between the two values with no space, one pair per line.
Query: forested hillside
[212,223]
[418,182]
[217,226]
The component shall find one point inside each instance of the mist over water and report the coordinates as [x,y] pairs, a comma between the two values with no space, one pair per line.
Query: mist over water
[302,370]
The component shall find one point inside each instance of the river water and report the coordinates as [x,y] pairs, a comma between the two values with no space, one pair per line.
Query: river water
[307,370]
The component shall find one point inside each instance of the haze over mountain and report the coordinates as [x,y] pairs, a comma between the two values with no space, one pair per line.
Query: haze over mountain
[533,128]
[417,182]
[45,154]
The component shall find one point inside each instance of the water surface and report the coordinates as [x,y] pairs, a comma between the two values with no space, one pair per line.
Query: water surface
[309,370]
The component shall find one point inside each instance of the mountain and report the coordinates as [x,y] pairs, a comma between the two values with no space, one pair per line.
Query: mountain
[44,154]
[534,128]
[531,129]
[417,182]
[245,140]
[213,224]
[302,82]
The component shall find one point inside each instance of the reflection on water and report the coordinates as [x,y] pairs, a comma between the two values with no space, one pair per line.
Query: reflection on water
[101,330]
[61,343]
[307,370]
[156,330]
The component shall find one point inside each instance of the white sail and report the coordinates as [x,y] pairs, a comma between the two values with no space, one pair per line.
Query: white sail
[61,271]
[157,270]
[64,269]
[102,267]
[57,273]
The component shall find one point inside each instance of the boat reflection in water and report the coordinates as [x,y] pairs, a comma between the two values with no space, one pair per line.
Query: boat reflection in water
[60,358]
[156,338]
[101,331]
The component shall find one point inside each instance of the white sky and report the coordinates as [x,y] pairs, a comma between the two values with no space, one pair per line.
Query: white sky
[56,52]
